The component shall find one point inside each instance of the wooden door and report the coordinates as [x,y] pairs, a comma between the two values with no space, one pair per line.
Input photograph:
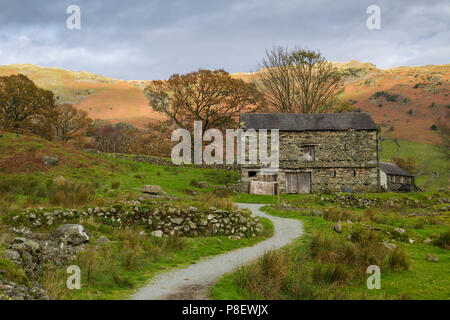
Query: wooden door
[298,182]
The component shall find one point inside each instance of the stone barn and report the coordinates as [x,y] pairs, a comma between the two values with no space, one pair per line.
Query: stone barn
[317,153]
[394,178]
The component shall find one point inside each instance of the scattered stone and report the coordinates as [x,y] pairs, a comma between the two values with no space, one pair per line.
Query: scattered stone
[157,233]
[72,233]
[202,185]
[389,246]
[13,291]
[50,161]
[400,230]
[152,189]
[102,239]
[12,255]
[91,150]
[411,241]
[190,192]
[177,220]
[432,257]
[427,241]
[338,227]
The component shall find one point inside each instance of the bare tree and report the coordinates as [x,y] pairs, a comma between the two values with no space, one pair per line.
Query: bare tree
[298,81]
[70,122]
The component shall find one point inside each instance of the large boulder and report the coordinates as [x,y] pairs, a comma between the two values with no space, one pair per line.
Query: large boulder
[50,161]
[152,189]
[72,233]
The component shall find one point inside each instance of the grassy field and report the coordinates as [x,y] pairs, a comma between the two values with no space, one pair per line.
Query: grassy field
[115,269]
[324,264]
[25,180]
[430,159]
[129,260]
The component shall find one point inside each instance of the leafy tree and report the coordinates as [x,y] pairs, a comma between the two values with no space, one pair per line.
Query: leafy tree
[298,81]
[213,97]
[409,164]
[70,123]
[25,107]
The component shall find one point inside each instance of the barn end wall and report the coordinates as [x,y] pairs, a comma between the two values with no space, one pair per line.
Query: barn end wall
[343,160]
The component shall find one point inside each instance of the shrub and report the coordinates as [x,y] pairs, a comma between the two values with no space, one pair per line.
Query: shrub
[331,274]
[222,192]
[89,263]
[443,241]
[12,272]
[70,193]
[398,259]
[266,277]
[334,214]
[175,244]
[194,183]
[209,199]
[323,248]
[420,224]
[115,185]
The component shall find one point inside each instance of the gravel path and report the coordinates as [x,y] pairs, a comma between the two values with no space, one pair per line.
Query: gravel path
[191,282]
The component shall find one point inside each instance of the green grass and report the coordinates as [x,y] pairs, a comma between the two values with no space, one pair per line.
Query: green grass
[423,280]
[21,166]
[430,158]
[106,287]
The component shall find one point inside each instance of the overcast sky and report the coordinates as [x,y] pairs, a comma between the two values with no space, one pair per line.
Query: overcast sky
[152,39]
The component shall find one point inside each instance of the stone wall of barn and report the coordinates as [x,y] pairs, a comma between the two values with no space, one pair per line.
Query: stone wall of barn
[342,160]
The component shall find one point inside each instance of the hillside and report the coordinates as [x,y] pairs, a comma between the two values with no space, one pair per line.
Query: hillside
[405,101]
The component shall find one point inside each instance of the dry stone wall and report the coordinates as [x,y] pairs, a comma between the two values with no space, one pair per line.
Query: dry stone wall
[160,219]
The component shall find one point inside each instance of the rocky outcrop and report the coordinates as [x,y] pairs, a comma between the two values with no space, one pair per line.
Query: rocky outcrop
[32,251]
[12,291]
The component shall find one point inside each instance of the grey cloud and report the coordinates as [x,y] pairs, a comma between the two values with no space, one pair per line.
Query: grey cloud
[153,39]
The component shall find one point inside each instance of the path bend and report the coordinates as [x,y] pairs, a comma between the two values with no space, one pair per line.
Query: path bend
[192,281]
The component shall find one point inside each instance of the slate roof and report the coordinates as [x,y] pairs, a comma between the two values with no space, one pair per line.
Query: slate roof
[390,168]
[308,122]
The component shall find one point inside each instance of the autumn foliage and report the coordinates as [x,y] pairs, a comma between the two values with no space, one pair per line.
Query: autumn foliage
[71,123]
[213,97]
[26,108]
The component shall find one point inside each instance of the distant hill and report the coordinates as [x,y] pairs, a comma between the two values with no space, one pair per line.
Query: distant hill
[405,101]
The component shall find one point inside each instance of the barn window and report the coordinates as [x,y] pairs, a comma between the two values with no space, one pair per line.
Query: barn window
[354,173]
[308,153]
[252,174]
